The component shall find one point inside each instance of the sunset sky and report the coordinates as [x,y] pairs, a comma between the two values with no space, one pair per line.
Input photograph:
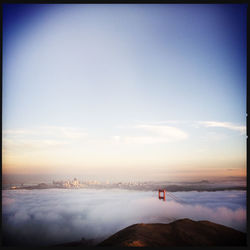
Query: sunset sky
[124,91]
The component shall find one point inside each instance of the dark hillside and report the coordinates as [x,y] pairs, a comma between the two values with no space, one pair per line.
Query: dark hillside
[184,232]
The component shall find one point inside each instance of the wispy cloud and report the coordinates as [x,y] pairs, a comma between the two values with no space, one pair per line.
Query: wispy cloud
[41,137]
[165,131]
[197,124]
[30,143]
[153,134]
[52,131]
[228,125]
[66,132]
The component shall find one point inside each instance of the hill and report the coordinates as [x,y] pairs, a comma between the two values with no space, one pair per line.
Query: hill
[184,232]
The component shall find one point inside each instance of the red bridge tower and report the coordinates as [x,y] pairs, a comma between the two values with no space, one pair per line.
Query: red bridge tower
[164,194]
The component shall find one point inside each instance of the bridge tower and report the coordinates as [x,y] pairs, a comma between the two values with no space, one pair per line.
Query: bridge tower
[164,194]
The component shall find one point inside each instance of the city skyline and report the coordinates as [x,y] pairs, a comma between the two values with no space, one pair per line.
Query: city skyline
[148,91]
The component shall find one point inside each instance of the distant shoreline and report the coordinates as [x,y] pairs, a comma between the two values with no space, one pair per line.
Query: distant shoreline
[171,188]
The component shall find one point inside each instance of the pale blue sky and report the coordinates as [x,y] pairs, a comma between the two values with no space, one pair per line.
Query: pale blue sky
[103,70]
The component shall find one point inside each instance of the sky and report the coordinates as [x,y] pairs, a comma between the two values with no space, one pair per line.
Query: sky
[124,91]
[68,215]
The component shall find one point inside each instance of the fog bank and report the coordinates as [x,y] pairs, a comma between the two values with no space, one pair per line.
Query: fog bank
[47,217]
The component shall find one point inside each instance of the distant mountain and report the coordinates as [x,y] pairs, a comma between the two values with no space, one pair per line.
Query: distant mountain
[184,232]
[199,188]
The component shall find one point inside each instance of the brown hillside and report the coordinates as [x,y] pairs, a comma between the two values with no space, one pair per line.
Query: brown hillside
[184,232]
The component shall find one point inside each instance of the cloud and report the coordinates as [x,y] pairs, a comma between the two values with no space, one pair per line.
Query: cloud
[228,125]
[66,132]
[165,131]
[52,131]
[154,134]
[68,215]
[41,137]
[161,132]
[196,124]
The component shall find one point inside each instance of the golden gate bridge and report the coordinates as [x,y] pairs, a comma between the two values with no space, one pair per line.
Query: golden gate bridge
[162,195]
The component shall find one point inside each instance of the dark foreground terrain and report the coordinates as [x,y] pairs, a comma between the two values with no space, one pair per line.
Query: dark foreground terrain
[184,232]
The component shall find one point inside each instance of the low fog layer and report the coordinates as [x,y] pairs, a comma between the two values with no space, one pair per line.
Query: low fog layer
[47,217]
